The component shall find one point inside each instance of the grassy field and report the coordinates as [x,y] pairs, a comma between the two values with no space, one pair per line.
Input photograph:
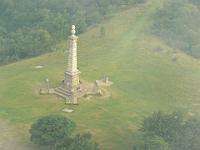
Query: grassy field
[147,76]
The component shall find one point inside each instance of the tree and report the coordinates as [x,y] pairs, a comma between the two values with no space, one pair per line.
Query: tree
[83,142]
[169,130]
[52,131]
[190,137]
[32,27]
[167,126]
[29,42]
[151,142]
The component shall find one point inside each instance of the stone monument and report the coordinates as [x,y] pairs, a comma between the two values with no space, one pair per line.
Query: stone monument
[71,83]
[71,88]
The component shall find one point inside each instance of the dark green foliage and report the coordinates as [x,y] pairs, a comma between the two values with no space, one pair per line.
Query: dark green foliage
[178,24]
[55,132]
[52,131]
[167,126]
[169,131]
[147,142]
[83,142]
[190,137]
[32,27]
[27,42]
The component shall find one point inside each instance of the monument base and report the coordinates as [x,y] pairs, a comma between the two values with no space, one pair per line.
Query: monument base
[86,90]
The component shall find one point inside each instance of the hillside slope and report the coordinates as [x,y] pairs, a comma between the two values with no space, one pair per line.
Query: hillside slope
[147,74]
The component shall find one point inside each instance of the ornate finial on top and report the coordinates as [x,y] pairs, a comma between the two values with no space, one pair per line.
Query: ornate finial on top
[73,31]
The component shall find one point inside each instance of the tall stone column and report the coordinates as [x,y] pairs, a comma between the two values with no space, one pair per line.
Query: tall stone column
[72,56]
[72,83]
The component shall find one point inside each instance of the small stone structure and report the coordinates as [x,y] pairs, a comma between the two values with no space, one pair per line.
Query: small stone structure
[71,88]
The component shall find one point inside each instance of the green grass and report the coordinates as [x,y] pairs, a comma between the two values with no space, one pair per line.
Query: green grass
[145,80]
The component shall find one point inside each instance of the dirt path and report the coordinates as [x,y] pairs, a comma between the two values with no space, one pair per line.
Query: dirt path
[11,140]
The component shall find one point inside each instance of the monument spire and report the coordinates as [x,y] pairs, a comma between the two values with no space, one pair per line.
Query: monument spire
[72,55]
[73,31]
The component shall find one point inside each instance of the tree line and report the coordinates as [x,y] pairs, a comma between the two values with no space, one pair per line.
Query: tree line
[158,131]
[168,131]
[29,28]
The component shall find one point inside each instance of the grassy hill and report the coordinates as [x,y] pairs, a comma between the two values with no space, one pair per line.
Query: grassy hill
[148,75]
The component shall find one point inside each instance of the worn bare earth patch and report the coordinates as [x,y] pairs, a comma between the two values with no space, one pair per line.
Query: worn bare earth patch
[12,140]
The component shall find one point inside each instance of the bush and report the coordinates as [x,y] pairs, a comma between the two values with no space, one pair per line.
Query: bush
[55,132]
[51,130]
